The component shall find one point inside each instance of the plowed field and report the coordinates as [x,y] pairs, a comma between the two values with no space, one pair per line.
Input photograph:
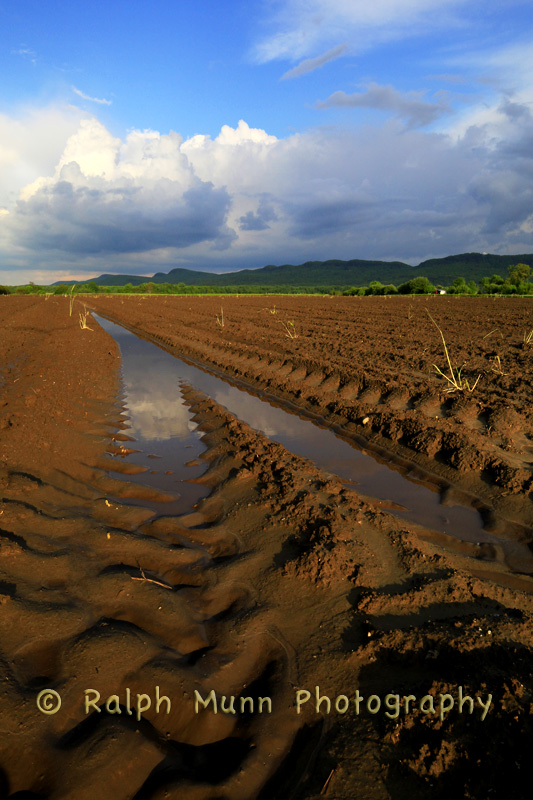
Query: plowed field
[283,579]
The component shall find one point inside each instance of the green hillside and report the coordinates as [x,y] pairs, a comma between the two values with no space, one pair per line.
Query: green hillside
[188,276]
[357,272]
[313,273]
[471,266]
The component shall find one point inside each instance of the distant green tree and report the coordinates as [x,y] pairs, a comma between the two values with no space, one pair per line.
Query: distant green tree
[87,288]
[5,290]
[31,288]
[458,287]
[492,285]
[519,273]
[418,285]
[374,287]
[508,288]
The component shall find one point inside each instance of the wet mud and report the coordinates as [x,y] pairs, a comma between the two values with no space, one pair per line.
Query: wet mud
[281,579]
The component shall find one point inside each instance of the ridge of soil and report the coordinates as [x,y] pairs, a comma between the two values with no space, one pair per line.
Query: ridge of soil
[281,579]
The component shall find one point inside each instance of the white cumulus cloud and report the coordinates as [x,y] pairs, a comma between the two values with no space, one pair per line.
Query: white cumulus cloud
[110,196]
[31,145]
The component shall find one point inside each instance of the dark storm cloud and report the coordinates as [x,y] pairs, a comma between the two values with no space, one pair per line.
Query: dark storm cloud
[313,220]
[86,219]
[258,221]
[503,189]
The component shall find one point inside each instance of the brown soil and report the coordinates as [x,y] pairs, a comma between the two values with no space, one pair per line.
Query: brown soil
[281,580]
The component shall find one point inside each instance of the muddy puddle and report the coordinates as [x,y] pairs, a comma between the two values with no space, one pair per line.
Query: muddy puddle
[166,442]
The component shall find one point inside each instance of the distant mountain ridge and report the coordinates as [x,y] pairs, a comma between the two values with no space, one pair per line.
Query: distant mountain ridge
[356,272]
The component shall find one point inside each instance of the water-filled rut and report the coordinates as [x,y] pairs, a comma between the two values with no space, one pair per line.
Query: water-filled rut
[166,444]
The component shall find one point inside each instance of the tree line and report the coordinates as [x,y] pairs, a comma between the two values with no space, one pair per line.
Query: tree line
[518,281]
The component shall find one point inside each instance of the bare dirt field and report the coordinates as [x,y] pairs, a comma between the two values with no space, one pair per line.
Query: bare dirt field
[283,579]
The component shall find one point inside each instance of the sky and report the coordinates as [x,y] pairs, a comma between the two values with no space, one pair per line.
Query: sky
[137,138]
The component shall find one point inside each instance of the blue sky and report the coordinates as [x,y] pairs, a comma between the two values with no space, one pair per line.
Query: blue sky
[138,138]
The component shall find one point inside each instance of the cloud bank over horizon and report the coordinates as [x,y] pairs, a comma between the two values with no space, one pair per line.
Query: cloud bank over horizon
[391,191]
